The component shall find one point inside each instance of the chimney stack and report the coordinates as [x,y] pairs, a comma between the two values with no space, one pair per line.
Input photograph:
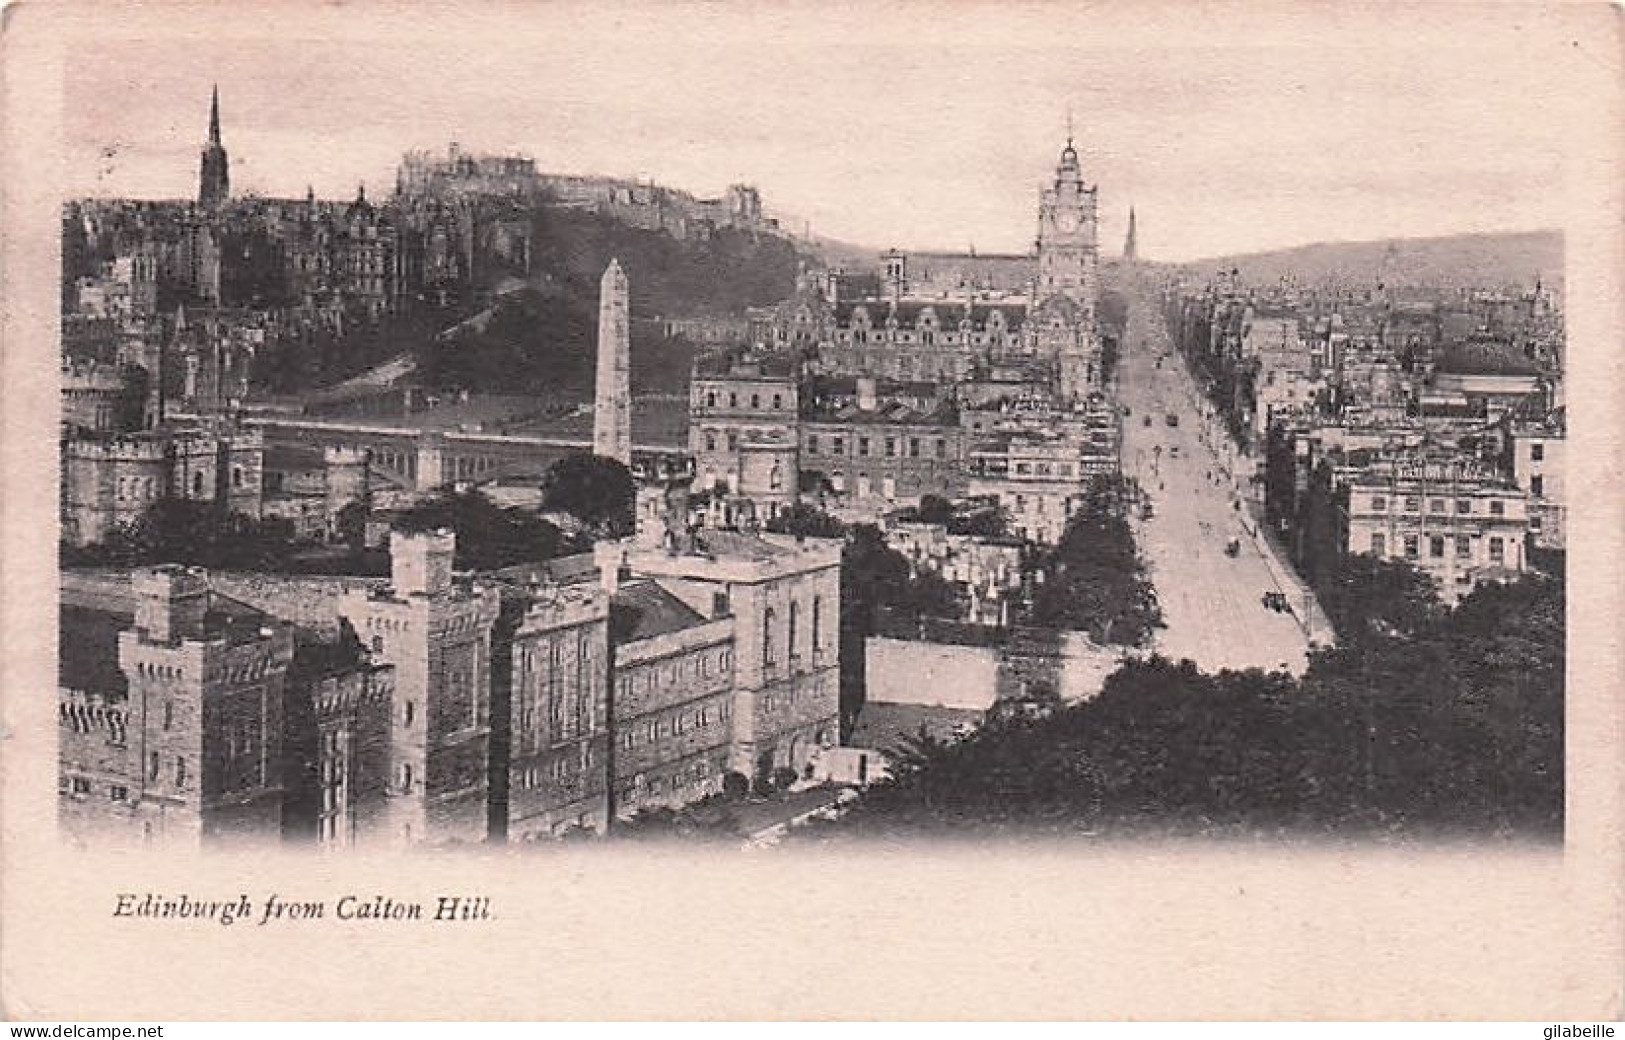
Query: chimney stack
[868,398]
[611,560]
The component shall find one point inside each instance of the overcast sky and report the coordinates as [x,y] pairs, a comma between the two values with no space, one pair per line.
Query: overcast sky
[918,125]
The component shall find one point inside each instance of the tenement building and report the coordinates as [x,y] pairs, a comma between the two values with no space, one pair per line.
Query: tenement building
[674,694]
[558,713]
[784,597]
[1458,521]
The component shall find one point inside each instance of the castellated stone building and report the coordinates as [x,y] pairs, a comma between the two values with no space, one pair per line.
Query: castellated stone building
[435,630]
[440,708]
[171,712]
[109,480]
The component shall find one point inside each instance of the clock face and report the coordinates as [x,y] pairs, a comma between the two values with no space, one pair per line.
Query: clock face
[1068,223]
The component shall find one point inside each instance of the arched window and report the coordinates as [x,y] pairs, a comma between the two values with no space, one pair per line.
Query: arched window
[778,400]
[710,441]
[710,398]
[197,484]
[756,400]
[236,476]
[818,610]
[767,638]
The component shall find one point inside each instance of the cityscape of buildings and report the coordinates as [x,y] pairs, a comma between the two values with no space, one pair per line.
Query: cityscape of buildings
[967,406]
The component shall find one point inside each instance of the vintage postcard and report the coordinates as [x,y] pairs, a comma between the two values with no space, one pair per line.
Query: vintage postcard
[824,511]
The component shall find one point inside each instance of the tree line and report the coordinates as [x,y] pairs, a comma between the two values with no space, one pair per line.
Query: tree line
[1425,723]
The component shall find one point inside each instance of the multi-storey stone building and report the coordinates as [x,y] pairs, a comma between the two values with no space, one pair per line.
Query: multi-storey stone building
[1535,455]
[784,595]
[171,709]
[876,451]
[674,696]
[557,713]
[1453,519]
[433,708]
[337,747]
[110,481]
[435,629]
[740,407]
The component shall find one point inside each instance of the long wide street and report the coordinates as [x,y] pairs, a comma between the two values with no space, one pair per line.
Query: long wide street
[1212,602]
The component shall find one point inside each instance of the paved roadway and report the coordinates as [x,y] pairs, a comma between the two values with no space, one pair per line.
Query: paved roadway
[1212,603]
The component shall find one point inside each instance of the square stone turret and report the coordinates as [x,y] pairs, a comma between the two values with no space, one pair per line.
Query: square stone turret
[420,561]
[170,602]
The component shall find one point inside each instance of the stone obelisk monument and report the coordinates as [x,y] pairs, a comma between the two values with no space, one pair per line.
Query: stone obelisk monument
[612,410]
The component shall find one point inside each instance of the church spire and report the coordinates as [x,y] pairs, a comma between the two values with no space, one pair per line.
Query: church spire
[1131,245]
[214,180]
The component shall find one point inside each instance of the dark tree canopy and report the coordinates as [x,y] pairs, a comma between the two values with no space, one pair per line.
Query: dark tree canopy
[1455,728]
[488,536]
[199,534]
[595,490]
[1094,581]
[808,521]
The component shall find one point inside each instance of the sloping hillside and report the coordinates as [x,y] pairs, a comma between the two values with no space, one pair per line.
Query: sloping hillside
[1491,261]
[543,338]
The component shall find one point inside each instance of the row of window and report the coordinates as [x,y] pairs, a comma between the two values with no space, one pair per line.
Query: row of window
[1413,504]
[770,657]
[84,718]
[863,487]
[651,731]
[145,489]
[82,787]
[915,446]
[655,786]
[1044,469]
[676,670]
[558,770]
[1436,546]
[712,397]
[1041,504]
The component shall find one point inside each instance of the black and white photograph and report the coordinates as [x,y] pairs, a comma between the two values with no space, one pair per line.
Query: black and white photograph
[518,433]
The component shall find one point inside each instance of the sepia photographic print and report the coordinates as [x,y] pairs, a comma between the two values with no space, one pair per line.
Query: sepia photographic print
[928,510]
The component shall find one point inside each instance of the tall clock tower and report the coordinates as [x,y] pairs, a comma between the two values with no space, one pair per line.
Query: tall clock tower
[1067,249]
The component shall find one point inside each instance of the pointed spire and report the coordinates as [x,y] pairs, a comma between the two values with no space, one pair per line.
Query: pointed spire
[1069,126]
[214,116]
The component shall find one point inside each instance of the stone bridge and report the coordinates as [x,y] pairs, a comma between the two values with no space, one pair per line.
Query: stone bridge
[421,459]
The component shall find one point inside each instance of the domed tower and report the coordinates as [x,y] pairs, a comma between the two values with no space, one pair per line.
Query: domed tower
[214,182]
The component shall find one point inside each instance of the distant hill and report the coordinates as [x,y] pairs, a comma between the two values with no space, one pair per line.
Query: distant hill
[1489,260]
[853,259]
